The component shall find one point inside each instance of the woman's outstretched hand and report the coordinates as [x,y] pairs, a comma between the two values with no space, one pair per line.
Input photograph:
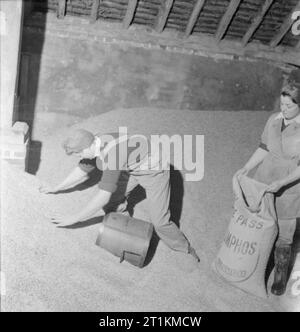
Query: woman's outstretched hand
[64,221]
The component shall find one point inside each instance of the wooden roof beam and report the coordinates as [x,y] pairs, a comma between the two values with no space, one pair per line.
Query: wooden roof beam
[163,14]
[225,22]
[257,21]
[194,17]
[61,9]
[131,8]
[285,27]
[94,11]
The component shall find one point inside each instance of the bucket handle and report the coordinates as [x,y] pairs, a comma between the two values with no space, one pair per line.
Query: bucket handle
[128,252]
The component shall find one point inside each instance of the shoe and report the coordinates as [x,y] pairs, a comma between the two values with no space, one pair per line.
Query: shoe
[282,259]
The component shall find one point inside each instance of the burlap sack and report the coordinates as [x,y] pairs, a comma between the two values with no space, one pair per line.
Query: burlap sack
[244,253]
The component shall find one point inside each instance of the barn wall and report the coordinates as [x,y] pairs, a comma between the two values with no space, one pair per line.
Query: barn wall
[83,77]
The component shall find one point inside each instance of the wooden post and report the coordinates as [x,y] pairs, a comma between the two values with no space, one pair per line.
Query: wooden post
[94,12]
[61,9]
[24,86]
[257,21]
[132,4]
[285,27]
[28,7]
[163,14]
[225,22]
[11,39]
[194,17]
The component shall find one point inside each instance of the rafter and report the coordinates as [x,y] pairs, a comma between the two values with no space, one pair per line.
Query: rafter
[285,27]
[257,21]
[194,17]
[131,8]
[61,9]
[163,14]
[94,11]
[225,22]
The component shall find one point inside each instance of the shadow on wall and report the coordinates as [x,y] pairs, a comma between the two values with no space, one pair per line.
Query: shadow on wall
[28,86]
[83,78]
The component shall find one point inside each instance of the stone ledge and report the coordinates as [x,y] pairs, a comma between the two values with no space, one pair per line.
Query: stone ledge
[14,144]
[17,134]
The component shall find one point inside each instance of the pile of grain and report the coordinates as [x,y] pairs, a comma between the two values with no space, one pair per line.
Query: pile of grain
[61,269]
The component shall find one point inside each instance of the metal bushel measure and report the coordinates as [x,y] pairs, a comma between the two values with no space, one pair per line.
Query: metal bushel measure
[125,237]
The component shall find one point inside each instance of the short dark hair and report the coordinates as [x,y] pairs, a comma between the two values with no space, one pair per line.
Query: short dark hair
[292,91]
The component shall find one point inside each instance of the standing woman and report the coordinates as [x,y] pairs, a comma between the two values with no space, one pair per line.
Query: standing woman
[278,161]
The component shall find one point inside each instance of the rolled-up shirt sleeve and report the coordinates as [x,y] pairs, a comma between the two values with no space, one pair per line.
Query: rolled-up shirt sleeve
[264,137]
[263,146]
[87,165]
[110,177]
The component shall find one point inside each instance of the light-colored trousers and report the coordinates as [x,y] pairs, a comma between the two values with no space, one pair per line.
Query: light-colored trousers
[157,187]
